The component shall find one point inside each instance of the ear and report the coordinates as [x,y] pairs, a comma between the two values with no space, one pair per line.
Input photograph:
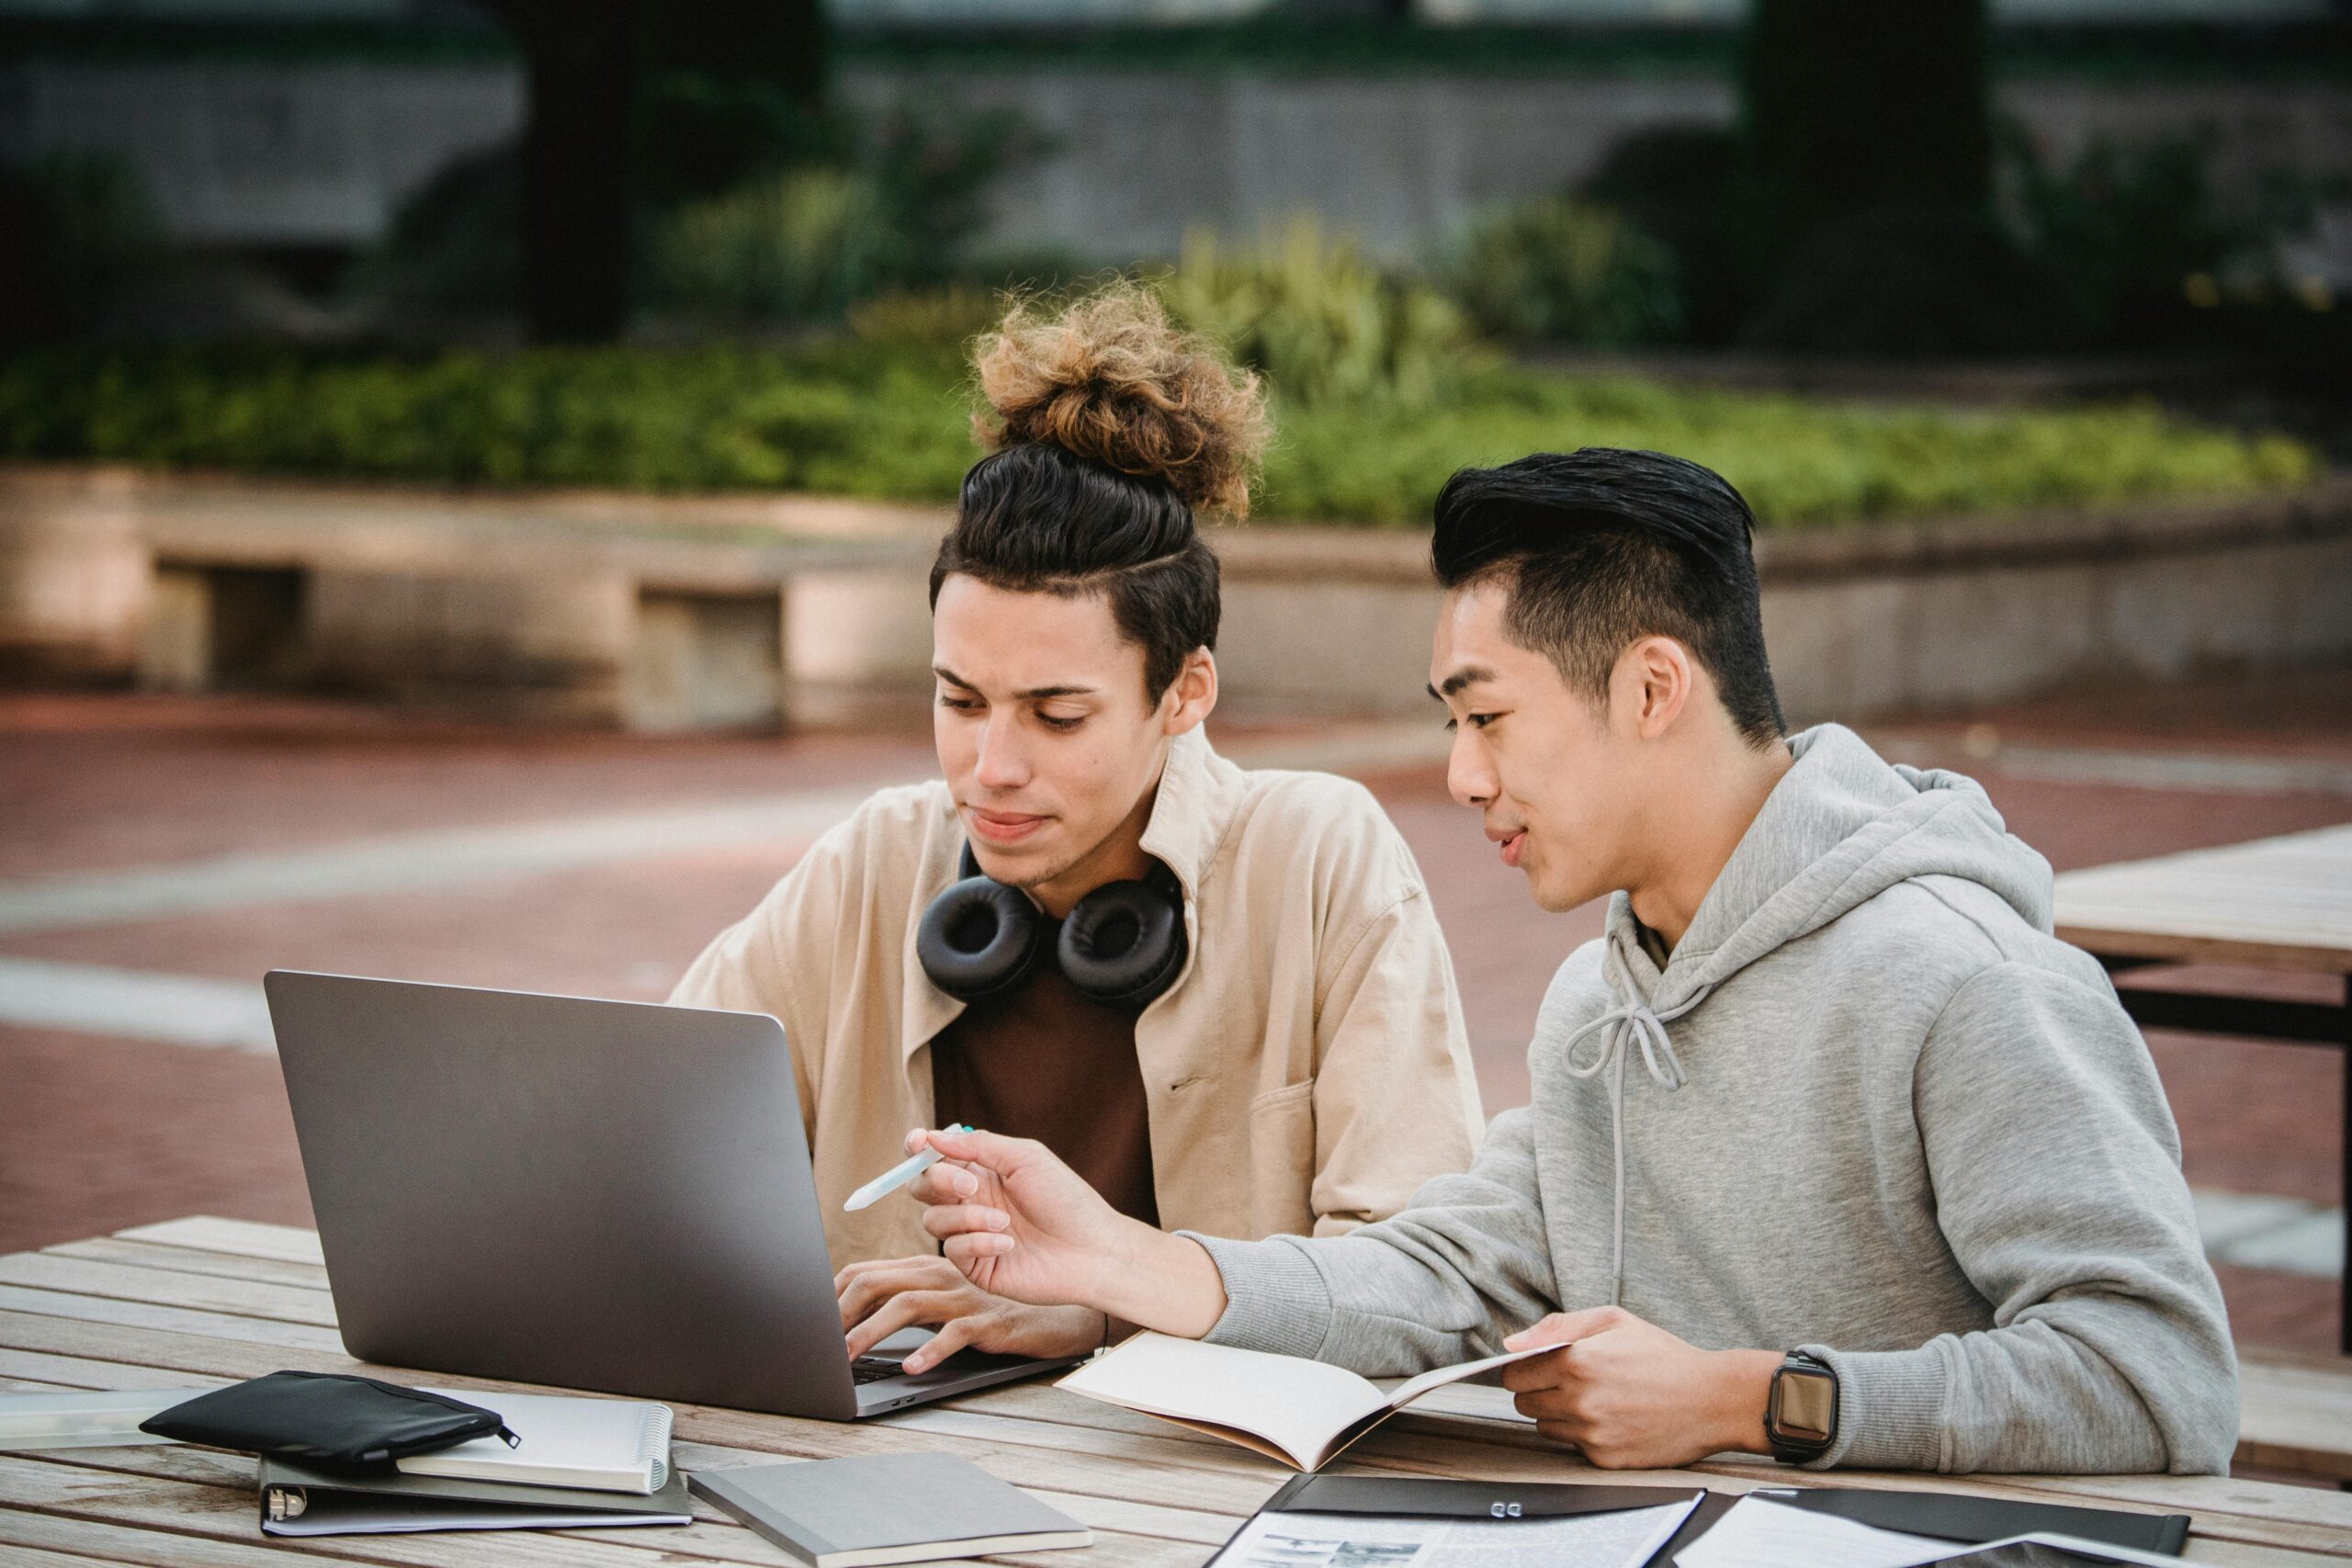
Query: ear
[1654,682]
[1192,695]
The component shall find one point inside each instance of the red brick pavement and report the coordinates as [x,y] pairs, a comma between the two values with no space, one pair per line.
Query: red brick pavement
[89,785]
[99,1133]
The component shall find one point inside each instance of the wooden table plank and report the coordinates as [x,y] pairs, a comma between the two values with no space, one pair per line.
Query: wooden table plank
[68,1306]
[40,1537]
[80,1372]
[204,1292]
[1158,1496]
[188,1260]
[249,1239]
[2282,903]
[2296,1417]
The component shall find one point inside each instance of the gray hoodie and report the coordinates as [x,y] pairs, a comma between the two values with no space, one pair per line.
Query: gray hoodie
[1872,1109]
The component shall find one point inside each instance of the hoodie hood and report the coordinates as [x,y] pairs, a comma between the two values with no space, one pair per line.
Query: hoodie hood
[1842,826]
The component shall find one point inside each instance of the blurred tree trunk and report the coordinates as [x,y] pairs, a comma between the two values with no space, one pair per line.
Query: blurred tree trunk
[587,59]
[583,61]
[1857,104]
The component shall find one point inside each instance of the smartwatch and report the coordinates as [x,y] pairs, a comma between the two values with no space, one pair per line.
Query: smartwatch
[1801,1419]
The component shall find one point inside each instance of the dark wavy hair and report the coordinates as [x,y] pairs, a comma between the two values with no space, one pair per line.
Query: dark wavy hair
[1600,548]
[1110,427]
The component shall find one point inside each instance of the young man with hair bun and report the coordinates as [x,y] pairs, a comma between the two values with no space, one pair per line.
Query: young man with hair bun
[1835,1151]
[1219,994]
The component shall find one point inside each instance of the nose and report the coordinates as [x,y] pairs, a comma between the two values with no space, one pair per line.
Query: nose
[1469,773]
[1001,763]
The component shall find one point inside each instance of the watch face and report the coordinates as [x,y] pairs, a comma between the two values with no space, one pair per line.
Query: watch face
[1804,1405]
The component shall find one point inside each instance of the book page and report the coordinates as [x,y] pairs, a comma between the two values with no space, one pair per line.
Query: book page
[1298,1406]
[1623,1538]
[1412,1388]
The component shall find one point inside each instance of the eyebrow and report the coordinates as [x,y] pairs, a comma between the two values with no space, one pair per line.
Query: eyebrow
[1468,675]
[1033,695]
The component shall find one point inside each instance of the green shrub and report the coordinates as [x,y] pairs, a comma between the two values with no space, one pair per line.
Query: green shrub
[932,168]
[1684,185]
[796,247]
[887,418]
[852,419]
[1321,322]
[898,214]
[949,317]
[1565,272]
[2133,235]
[1799,461]
[1909,280]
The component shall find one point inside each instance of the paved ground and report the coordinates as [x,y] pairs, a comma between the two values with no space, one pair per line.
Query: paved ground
[156,855]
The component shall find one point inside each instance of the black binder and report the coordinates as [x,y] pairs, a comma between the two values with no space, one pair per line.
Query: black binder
[1416,1498]
[1951,1515]
[1946,1516]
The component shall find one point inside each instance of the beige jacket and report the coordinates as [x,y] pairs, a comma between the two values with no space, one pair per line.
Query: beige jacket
[1306,1072]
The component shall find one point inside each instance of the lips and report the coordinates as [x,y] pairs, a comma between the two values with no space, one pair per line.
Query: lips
[1511,841]
[1003,826]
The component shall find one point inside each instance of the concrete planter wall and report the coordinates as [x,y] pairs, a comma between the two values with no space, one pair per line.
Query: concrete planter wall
[74,577]
[658,615]
[1863,621]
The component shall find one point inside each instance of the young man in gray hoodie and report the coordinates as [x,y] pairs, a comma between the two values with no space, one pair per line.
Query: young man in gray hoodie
[1835,1151]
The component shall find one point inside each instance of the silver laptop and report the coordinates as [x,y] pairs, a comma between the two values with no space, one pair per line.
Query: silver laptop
[599,1195]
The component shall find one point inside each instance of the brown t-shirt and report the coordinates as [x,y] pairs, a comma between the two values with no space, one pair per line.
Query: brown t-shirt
[1049,1063]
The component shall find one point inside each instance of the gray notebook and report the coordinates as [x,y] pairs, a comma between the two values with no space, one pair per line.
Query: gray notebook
[850,1513]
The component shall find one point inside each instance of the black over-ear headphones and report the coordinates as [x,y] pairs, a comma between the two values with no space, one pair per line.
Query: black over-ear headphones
[1124,944]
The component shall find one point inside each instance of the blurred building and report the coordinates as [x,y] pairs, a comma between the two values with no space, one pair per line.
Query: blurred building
[315,140]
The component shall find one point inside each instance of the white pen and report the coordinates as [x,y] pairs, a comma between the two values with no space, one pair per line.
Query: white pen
[898,1176]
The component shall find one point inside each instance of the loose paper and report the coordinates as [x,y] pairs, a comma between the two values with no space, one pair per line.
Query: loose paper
[1754,1533]
[1758,1533]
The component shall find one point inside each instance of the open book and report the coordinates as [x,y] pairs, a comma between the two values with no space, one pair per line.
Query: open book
[1286,1407]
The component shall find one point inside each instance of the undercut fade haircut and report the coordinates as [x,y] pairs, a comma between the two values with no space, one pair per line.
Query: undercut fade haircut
[1600,548]
[1109,428]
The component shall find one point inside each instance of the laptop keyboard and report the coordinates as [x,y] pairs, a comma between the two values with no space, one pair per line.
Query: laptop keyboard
[872,1369]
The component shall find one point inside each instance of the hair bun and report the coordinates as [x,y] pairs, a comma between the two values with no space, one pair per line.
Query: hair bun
[1108,378]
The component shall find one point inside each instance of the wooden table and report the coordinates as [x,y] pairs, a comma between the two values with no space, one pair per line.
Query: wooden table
[198,1302]
[2281,904]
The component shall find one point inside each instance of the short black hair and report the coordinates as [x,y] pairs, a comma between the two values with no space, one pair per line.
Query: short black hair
[1037,518]
[1602,547]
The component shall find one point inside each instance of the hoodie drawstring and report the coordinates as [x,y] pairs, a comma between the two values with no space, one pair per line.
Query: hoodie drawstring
[1632,1015]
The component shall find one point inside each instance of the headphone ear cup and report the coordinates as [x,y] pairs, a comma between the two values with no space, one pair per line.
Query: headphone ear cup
[1124,943]
[979,939]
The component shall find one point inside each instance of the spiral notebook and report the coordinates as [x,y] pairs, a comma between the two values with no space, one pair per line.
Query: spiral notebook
[601,1445]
